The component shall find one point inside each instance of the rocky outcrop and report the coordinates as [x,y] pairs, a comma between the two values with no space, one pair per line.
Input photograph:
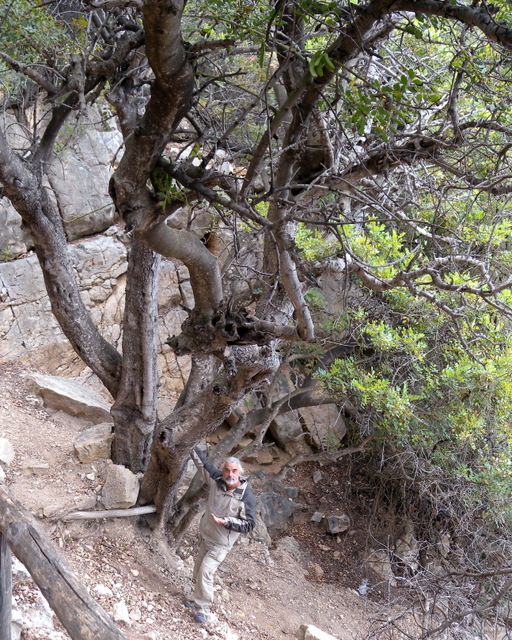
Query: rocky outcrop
[79,178]
[28,329]
[29,332]
[31,613]
[78,181]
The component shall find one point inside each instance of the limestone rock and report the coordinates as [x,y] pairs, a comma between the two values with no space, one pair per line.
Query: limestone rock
[275,511]
[94,443]
[31,615]
[27,324]
[120,612]
[379,562]
[289,434]
[102,590]
[260,532]
[289,546]
[79,177]
[408,548]
[15,240]
[325,425]
[337,524]
[121,488]
[69,396]
[264,457]
[35,468]
[6,452]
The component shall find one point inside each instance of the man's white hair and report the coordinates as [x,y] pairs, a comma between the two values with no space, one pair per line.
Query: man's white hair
[234,460]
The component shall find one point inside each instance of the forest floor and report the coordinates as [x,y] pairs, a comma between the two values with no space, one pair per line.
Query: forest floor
[262,593]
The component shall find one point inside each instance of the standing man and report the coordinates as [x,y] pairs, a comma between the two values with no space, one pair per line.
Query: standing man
[230,511]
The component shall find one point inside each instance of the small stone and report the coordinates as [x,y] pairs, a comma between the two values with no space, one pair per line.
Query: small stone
[102,590]
[120,612]
[264,457]
[121,488]
[6,452]
[337,524]
[35,468]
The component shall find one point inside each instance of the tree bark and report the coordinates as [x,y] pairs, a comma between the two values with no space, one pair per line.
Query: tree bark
[134,411]
[79,614]
[181,430]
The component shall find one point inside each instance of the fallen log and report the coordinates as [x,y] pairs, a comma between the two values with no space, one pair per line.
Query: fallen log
[5,589]
[79,614]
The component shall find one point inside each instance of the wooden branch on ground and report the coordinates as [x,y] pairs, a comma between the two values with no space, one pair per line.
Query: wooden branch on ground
[79,614]
[108,513]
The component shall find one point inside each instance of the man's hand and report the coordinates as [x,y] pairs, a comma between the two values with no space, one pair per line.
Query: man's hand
[217,519]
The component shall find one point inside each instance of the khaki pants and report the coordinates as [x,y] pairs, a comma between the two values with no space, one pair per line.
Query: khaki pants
[208,559]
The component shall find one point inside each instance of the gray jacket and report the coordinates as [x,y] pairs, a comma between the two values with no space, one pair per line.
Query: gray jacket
[237,506]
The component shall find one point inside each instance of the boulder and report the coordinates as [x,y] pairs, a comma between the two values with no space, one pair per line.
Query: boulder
[94,443]
[121,488]
[264,456]
[324,424]
[289,433]
[260,532]
[275,511]
[69,396]
[378,561]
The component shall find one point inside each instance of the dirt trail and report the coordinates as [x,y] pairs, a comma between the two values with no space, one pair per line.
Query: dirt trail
[261,593]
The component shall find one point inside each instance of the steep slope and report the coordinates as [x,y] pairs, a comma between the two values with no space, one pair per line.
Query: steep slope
[262,592]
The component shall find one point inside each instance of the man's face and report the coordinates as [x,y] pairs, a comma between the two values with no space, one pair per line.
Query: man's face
[231,474]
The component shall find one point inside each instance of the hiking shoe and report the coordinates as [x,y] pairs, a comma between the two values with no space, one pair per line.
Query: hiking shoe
[201,617]
[190,604]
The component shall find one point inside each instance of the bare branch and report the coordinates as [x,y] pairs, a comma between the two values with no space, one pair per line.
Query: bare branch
[30,72]
[473,16]
[325,456]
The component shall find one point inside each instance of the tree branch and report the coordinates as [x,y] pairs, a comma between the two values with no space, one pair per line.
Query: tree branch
[30,72]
